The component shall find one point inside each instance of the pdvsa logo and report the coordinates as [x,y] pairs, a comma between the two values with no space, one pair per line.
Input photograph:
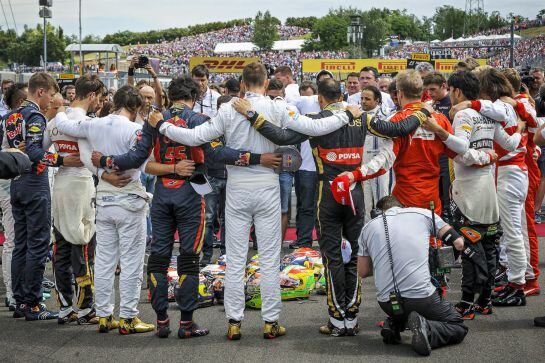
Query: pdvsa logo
[339,66]
[342,157]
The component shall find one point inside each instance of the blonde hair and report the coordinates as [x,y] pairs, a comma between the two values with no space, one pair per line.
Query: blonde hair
[410,83]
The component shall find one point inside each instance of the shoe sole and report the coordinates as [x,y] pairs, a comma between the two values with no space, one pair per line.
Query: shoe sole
[532,292]
[271,336]
[163,333]
[420,343]
[388,337]
[234,337]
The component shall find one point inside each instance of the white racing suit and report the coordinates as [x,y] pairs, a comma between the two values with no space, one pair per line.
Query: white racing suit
[474,195]
[512,184]
[121,215]
[74,223]
[9,235]
[253,194]
[379,187]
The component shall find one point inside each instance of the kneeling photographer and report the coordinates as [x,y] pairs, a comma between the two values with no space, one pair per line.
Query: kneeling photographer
[394,247]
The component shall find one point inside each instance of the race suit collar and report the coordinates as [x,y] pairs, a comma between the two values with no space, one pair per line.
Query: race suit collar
[249,94]
[335,106]
[77,110]
[33,105]
[413,106]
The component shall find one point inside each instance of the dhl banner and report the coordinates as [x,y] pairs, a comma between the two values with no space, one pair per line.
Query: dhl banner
[382,65]
[222,64]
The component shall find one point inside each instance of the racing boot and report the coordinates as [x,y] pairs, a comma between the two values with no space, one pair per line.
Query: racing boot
[67,316]
[419,327]
[501,277]
[273,330]
[190,329]
[39,312]
[163,328]
[484,308]
[466,310]
[351,326]
[19,311]
[90,318]
[133,326]
[531,288]
[233,330]
[336,329]
[106,324]
[512,295]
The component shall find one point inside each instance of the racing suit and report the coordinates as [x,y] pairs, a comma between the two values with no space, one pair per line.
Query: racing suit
[375,189]
[177,207]
[7,222]
[527,112]
[415,160]
[31,204]
[512,185]
[474,201]
[121,214]
[334,153]
[253,194]
[73,222]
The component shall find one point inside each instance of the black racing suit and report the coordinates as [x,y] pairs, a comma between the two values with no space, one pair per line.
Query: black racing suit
[335,153]
[31,204]
[176,207]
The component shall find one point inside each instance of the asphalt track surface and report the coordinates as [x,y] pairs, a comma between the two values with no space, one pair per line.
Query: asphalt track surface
[506,336]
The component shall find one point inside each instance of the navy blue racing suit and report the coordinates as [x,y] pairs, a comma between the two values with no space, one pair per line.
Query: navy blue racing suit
[176,207]
[31,204]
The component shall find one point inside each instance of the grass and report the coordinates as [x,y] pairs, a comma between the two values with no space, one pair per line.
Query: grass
[532,32]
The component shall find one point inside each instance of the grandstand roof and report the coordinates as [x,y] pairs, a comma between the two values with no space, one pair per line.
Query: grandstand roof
[113,48]
[249,47]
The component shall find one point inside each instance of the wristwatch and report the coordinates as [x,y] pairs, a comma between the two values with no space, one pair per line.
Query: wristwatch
[250,114]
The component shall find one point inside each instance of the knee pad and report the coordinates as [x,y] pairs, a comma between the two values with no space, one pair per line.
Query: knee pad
[158,264]
[188,264]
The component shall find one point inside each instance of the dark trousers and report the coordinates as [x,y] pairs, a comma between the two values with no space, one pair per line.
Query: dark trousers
[444,325]
[335,221]
[470,286]
[72,260]
[180,209]
[31,207]
[444,187]
[215,209]
[305,190]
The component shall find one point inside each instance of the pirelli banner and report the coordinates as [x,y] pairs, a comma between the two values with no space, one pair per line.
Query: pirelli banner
[344,66]
[222,64]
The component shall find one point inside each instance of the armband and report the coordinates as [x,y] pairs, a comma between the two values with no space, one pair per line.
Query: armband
[130,72]
[425,112]
[450,236]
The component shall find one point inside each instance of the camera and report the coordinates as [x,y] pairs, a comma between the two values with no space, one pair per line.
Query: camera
[143,61]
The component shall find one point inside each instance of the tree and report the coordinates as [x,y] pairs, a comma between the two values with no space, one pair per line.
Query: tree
[28,49]
[496,21]
[448,22]
[265,30]
[305,22]
[541,14]
[328,33]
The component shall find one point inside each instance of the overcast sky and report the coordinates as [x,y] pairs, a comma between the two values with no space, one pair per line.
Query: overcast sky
[102,17]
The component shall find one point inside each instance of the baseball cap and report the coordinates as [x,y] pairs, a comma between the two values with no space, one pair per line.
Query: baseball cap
[291,159]
[340,188]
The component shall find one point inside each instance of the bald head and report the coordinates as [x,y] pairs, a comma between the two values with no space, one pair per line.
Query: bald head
[148,94]
[56,102]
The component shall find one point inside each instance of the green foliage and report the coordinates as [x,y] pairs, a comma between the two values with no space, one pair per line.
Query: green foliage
[28,47]
[265,30]
[331,32]
[449,22]
[153,36]
[304,22]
